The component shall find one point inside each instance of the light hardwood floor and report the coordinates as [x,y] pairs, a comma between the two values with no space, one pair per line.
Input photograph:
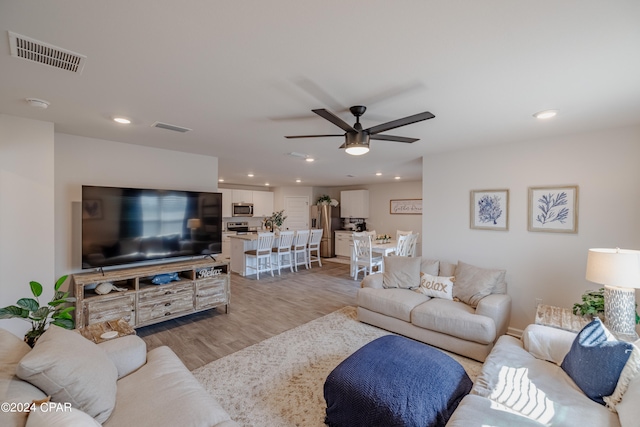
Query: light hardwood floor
[259,309]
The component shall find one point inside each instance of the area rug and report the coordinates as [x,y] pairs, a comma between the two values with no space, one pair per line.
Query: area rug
[278,382]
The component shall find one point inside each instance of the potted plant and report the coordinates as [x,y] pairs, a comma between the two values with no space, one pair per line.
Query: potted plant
[57,311]
[275,220]
[324,200]
[593,305]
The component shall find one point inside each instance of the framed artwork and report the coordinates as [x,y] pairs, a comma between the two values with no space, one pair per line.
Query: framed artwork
[489,210]
[406,206]
[553,209]
[92,209]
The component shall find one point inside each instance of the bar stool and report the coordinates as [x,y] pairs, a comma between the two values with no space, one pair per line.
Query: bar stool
[314,245]
[261,252]
[299,247]
[283,249]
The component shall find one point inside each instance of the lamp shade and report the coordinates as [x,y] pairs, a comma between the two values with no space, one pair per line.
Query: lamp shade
[614,267]
[193,223]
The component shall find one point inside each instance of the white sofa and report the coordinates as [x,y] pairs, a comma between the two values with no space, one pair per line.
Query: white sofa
[522,384]
[468,328]
[116,383]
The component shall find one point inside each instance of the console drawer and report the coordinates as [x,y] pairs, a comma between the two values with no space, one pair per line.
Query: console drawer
[158,291]
[101,309]
[166,306]
[211,292]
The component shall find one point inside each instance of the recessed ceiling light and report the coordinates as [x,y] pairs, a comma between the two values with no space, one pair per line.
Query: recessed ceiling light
[38,103]
[220,180]
[397,177]
[121,120]
[250,175]
[266,183]
[309,159]
[546,114]
[378,173]
[298,180]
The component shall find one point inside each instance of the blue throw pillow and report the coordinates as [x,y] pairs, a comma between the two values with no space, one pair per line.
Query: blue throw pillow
[595,361]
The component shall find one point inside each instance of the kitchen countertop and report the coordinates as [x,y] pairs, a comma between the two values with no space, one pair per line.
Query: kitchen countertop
[244,236]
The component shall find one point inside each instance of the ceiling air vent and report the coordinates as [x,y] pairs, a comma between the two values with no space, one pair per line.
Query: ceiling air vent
[43,53]
[167,126]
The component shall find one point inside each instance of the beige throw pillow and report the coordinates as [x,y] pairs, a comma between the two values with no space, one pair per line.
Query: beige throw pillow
[474,283]
[72,369]
[430,266]
[436,286]
[401,272]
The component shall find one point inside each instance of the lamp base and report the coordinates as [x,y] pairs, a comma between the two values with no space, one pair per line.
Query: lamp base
[620,312]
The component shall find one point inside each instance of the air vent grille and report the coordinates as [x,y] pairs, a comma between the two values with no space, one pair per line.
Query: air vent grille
[43,53]
[167,126]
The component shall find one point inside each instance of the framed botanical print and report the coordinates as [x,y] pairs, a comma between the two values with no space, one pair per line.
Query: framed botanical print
[489,209]
[553,209]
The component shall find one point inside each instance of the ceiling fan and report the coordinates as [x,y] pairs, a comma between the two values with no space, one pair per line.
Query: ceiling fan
[356,138]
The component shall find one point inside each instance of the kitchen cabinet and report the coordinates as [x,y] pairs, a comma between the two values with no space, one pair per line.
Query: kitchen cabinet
[343,243]
[226,244]
[262,203]
[242,196]
[354,204]
[227,197]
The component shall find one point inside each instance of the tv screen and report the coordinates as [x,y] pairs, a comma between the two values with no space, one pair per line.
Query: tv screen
[133,225]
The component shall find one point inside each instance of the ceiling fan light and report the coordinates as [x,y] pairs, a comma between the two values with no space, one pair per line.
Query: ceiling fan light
[357,149]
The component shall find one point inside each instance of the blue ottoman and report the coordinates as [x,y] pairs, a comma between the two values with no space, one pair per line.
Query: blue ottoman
[395,381]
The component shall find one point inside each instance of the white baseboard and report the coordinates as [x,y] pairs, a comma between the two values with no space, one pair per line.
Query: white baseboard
[515,332]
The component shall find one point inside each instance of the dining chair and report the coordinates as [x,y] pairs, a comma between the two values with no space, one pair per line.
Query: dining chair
[413,243]
[314,245]
[283,250]
[262,252]
[363,259]
[402,246]
[402,233]
[299,247]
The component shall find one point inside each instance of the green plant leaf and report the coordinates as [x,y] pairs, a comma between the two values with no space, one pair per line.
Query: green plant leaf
[62,315]
[61,301]
[63,323]
[59,282]
[36,288]
[65,310]
[28,303]
[41,313]
[13,311]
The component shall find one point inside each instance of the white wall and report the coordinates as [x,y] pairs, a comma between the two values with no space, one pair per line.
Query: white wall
[26,212]
[87,161]
[605,166]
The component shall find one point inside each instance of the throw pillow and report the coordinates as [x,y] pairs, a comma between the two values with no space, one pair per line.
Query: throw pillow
[70,368]
[595,361]
[630,372]
[430,266]
[57,415]
[474,283]
[628,409]
[436,286]
[401,272]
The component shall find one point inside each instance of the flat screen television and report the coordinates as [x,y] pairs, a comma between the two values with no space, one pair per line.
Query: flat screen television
[135,225]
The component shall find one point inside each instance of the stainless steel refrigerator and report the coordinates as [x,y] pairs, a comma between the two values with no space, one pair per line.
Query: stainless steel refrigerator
[327,219]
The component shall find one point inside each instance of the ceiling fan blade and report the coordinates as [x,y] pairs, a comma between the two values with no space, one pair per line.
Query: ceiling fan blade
[400,122]
[326,114]
[394,138]
[310,136]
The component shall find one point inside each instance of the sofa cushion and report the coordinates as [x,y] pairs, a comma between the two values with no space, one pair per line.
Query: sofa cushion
[536,389]
[401,272]
[436,286]
[430,266]
[628,408]
[396,303]
[454,318]
[70,368]
[164,393]
[13,389]
[474,283]
[52,416]
[547,343]
[630,373]
[446,269]
[596,360]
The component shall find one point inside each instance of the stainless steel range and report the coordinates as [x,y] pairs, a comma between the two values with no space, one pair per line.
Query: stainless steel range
[241,227]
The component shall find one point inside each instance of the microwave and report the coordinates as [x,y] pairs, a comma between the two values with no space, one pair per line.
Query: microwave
[242,209]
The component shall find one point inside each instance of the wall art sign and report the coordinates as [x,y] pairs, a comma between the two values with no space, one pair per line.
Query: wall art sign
[553,209]
[406,206]
[205,272]
[489,210]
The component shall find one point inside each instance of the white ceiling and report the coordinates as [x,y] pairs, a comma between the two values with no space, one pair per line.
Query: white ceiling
[243,74]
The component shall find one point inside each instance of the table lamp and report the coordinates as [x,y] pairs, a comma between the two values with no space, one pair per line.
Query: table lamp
[193,224]
[619,271]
